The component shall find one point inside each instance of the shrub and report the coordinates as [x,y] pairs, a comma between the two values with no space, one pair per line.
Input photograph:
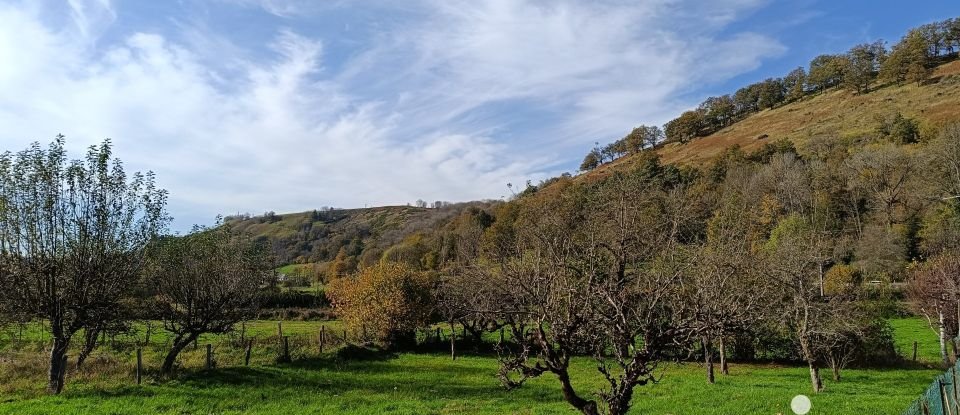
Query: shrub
[386,302]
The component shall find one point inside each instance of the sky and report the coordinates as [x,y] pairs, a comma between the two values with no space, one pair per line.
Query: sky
[248,106]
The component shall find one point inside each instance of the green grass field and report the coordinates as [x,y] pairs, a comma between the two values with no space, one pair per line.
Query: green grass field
[433,384]
[908,330]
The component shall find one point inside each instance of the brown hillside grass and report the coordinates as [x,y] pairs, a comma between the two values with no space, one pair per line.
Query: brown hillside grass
[836,112]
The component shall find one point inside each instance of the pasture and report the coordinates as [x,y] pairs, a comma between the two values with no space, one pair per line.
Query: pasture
[415,383]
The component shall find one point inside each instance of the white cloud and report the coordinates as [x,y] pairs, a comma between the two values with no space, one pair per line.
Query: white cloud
[425,110]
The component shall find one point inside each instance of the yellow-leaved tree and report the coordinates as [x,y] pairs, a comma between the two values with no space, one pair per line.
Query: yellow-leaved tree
[385,303]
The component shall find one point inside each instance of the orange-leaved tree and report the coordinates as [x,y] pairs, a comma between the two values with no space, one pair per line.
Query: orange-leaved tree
[385,303]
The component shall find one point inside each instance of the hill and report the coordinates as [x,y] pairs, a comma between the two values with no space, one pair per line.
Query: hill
[318,236]
[837,113]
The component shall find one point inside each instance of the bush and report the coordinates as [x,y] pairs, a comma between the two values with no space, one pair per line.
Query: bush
[274,299]
[386,302]
[841,279]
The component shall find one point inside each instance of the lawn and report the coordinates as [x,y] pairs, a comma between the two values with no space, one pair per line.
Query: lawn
[908,330]
[432,384]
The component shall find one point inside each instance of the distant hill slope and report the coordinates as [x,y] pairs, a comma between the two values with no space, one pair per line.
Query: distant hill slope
[318,236]
[837,112]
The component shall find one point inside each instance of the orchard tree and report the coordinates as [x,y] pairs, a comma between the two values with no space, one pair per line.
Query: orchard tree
[724,290]
[205,282]
[72,238]
[594,272]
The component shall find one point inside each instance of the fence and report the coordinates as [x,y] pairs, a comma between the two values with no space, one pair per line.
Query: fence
[141,349]
[943,395]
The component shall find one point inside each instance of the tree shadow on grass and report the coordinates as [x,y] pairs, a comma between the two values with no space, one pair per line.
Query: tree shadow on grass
[372,374]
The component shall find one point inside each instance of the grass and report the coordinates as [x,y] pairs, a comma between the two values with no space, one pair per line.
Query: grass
[908,330]
[430,384]
[836,111]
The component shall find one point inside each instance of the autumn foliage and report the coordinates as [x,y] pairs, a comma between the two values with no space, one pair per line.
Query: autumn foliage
[384,303]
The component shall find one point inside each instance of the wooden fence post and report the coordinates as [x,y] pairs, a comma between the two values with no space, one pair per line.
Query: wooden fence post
[322,335]
[956,401]
[914,350]
[438,334]
[953,350]
[280,329]
[285,356]
[139,365]
[246,358]
[209,356]
[943,398]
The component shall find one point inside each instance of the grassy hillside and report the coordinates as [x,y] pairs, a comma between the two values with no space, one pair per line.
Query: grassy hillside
[318,236]
[835,113]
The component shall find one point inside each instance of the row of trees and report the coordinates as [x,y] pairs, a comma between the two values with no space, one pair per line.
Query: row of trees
[82,247]
[912,59]
[764,250]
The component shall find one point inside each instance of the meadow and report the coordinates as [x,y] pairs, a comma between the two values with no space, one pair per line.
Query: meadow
[420,383]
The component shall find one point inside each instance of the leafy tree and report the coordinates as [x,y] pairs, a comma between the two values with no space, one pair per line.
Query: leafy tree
[793,255]
[591,161]
[795,84]
[909,61]
[718,112]
[899,129]
[72,236]
[387,301]
[725,292]
[826,71]
[685,127]
[841,279]
[642,137]
[771,93]
[343,264]
[205,282]
[861,66]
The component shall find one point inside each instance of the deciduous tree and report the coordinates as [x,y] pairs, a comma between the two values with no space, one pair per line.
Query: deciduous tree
[72,234]
[205,282]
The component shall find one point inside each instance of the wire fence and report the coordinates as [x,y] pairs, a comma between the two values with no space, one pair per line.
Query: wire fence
[942,397]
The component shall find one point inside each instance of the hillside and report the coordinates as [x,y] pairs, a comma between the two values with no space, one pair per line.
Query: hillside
[835,113]
[316,237]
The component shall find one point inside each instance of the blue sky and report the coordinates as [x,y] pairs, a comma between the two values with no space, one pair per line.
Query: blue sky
[290,105]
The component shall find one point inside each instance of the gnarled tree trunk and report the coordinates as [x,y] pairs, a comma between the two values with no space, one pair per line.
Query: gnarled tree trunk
[815,379]
[708,358]
[723,358]
[89,343]
[586,407]
[58,364]
[179,343]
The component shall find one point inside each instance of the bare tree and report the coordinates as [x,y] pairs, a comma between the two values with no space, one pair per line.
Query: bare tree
[72,234]
[205,282]
[722,286]
[594,273]
[792,261]
[934,290]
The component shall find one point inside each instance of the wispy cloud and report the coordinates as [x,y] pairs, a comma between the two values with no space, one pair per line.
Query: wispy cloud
[445,100]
